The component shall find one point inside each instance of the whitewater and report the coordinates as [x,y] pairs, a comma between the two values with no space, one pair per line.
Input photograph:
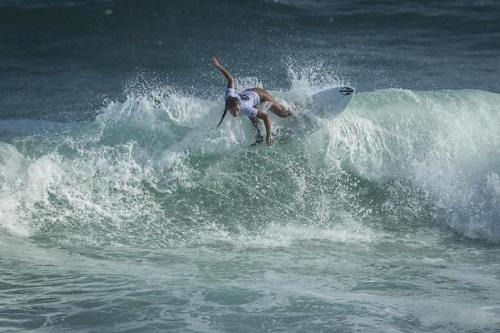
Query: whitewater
[148,218]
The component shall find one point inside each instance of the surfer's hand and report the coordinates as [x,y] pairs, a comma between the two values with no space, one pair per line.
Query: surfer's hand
[269,140]
[215,62]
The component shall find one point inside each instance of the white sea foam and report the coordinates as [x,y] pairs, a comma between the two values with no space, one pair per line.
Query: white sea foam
[154,155]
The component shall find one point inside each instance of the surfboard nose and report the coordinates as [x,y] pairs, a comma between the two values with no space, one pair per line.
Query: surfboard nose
[346,91]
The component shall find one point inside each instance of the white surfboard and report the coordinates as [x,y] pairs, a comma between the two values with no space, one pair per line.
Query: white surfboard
[326,104]
[331,102]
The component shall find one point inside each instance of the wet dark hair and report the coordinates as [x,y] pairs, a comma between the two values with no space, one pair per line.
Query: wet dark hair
[230,103]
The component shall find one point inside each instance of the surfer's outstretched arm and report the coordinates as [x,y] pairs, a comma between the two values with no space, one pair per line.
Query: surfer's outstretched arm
[267,122]
[229,78]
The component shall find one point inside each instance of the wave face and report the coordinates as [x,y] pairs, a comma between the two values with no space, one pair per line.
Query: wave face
[152,171]
[148,218]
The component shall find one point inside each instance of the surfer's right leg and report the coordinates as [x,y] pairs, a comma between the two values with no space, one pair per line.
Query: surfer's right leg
[275,107]
[280,110]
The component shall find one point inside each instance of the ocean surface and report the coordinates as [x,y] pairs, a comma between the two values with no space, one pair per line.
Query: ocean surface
[124,209]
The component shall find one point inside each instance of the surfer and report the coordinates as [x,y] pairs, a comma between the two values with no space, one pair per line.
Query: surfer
[247,103]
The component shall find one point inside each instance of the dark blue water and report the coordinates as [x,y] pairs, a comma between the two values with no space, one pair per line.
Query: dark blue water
[60,58]
[122,209]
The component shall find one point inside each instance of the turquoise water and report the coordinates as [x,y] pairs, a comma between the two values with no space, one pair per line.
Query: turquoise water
[385,219]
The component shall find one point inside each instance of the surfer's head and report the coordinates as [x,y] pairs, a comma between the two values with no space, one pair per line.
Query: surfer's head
[233,105]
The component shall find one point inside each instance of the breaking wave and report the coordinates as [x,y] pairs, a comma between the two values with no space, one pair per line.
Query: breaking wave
[153,171]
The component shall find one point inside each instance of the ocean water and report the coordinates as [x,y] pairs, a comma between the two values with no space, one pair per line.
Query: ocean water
[123,209]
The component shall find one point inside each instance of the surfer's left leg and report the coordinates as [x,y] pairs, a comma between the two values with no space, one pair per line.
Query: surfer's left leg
[275,107]
[258,136]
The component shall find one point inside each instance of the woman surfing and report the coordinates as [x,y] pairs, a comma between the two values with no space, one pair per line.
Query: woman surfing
[247,102]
